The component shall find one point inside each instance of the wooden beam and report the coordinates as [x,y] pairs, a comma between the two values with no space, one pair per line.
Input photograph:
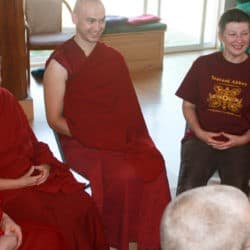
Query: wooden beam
[13,48]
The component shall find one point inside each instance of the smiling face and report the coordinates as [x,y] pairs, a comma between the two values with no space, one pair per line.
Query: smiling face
[89,18]
[235,38]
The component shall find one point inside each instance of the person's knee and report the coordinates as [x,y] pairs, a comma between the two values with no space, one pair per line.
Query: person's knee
[188,181]
[182,187]
[125,175]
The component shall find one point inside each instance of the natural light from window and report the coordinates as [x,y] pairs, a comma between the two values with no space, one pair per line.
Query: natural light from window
[184,19]
[190,24]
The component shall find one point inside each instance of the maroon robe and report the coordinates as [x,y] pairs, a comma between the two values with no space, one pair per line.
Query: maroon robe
[40,237]
[60,201]
[111,146]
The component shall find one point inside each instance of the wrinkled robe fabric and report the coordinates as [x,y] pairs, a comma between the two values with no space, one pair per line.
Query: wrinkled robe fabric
[38,237]
[111,146]
[60,201]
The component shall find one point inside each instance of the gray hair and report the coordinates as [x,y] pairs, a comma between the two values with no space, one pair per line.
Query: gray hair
[215,217]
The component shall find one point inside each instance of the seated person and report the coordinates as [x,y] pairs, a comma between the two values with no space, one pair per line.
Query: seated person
[92,104]
[215,94]
[214,217]
[36,187]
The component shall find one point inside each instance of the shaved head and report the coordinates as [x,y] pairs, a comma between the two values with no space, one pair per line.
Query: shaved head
[89,19]
[215,217]
[80,3]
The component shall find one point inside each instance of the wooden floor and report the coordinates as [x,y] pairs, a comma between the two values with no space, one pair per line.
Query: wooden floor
[160,106]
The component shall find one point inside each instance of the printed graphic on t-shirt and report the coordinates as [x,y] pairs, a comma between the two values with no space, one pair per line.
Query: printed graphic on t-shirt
[225,96]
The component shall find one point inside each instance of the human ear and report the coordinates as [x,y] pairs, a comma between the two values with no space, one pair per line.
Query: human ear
[74,18]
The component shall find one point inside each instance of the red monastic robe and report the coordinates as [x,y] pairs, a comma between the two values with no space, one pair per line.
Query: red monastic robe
[60,201]
[111,146]
[38,237]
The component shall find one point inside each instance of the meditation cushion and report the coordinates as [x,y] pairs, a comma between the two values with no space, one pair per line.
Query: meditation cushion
[143,19]
[115,20]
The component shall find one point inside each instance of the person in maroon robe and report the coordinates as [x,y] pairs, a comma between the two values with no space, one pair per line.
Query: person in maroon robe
[27,236]
[38,189]
[91,103]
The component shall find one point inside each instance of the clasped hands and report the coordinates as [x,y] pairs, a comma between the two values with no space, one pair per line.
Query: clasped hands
[222,140]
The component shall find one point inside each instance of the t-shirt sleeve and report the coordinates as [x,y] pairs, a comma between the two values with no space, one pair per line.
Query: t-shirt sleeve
[188,89]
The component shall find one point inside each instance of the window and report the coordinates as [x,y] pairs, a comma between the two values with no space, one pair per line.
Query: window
[191,25]
[124,8]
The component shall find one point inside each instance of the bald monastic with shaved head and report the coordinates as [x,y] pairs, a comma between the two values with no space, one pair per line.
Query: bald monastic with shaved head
[82,2]
[214,217]
[92,104]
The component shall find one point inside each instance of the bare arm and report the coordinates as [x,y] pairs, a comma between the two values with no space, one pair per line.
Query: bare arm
[36,175]
[210,137]
[189,112]
[54,89]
